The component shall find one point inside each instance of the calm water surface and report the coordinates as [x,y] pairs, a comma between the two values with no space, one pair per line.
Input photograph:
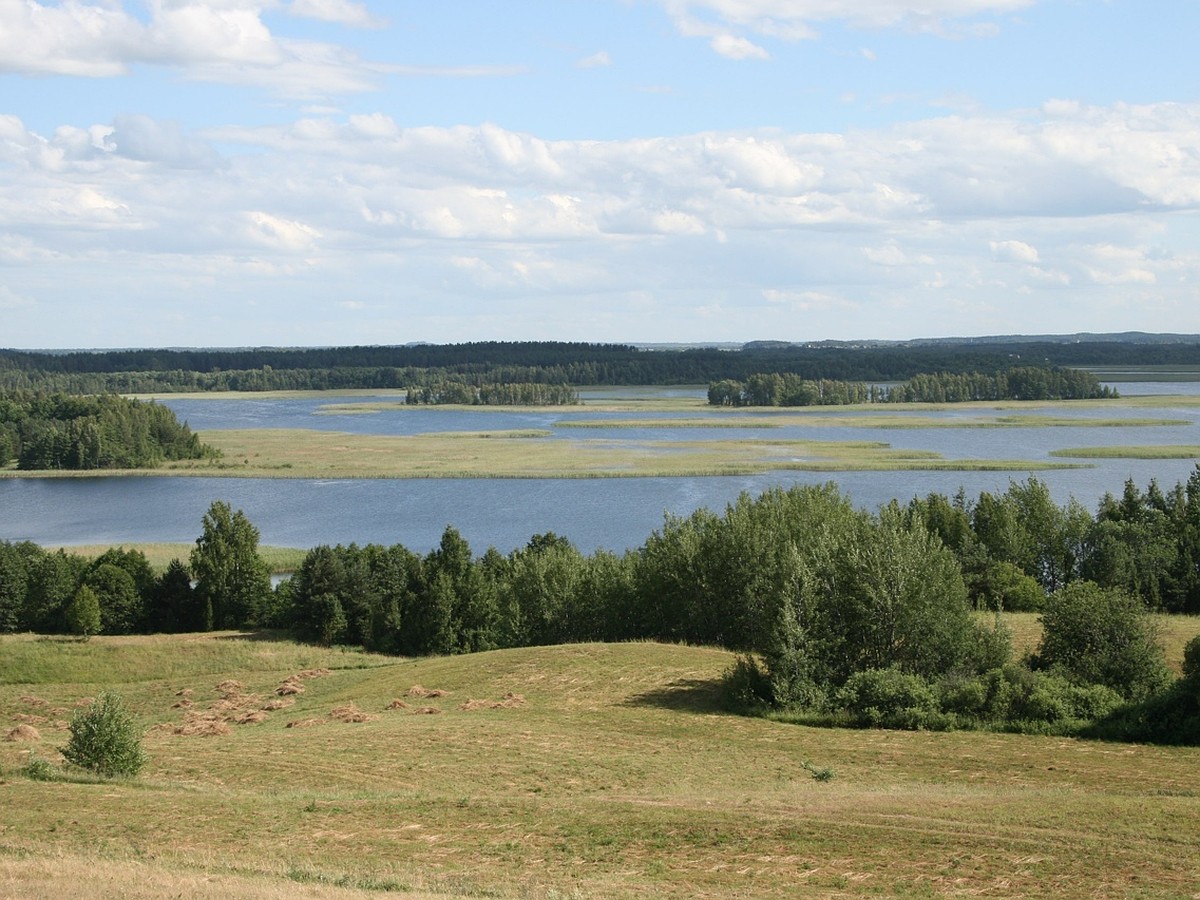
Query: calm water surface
[611,513]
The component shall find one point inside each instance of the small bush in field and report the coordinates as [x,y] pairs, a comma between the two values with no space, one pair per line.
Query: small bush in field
[104,739]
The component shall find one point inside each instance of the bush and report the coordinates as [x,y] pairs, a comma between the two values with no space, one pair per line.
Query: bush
[1097,636]
[890,698]
[745,686]
[1191,658]
[104,739]
[38,769]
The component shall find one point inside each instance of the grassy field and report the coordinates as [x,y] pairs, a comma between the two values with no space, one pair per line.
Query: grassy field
[575,771]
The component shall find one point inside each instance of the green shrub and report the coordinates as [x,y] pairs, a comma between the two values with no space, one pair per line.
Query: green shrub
[38,769]
[745,685]
[891,698]
[104,739]
[1191,658]
[1097,636]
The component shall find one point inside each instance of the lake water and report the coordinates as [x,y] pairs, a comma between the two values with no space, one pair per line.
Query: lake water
[612,513]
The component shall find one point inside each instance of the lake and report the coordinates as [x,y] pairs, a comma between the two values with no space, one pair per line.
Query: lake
[612,513]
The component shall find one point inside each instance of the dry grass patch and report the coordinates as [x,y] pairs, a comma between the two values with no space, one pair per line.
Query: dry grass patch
[350,714]
[23,733]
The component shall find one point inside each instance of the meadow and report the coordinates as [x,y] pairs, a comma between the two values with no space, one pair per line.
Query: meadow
[570,771]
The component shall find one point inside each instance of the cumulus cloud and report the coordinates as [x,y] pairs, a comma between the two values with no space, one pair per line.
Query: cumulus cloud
[344,12]
[223,42]
[726,22]
[733,47]
[1014,251]
[933,217]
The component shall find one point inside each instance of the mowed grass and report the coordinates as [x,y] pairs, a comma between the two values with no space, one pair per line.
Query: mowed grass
[297,453]
[582,770]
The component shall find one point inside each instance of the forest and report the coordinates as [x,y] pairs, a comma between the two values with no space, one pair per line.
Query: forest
[842,616]
[554,363]
[1017,383]
[50,430]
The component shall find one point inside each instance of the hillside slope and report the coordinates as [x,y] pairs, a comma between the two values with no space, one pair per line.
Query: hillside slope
[590,770]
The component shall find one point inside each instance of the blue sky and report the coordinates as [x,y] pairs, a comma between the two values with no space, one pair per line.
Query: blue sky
[313,172]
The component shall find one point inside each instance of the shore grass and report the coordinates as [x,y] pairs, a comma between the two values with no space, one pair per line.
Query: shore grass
[888,421]
[159,554]
[319,454]
[1173,451]
[611,772]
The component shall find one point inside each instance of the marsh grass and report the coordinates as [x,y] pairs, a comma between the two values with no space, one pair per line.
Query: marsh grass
[618,777]
[1173,451]
[319,454]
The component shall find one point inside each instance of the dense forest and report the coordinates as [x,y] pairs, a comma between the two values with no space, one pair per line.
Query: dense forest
[842,616]
[1017,383]
[552,363]
[47,430]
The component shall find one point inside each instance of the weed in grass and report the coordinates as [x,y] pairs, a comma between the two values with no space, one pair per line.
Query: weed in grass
[39,769]
[818,773]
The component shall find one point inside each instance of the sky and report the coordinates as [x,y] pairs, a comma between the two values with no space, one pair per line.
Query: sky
[182,173]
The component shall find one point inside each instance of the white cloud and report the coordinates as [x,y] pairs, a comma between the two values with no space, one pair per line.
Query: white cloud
[732,47]
[10,300]
[225,42]
[280,234]
[344,12]
[922,224]
[597,60]
[792,20]
[1014,251]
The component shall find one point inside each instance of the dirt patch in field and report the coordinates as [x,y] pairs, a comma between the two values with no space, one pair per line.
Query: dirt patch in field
[23,733]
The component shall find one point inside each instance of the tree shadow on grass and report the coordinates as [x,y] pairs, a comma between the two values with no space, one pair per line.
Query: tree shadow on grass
[694,695]
[263,634]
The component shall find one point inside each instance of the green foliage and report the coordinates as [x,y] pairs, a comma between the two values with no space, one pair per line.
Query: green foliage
[83,613]
[102,431]
[104,739]
[231,578]
[1191,658]
[890,698]
[1098,636]
[39,769]
[1021,383]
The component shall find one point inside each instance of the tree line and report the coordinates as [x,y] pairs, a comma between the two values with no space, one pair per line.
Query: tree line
[840,615]
[576,364]
[48,430]
[1016,383]
[507,394]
